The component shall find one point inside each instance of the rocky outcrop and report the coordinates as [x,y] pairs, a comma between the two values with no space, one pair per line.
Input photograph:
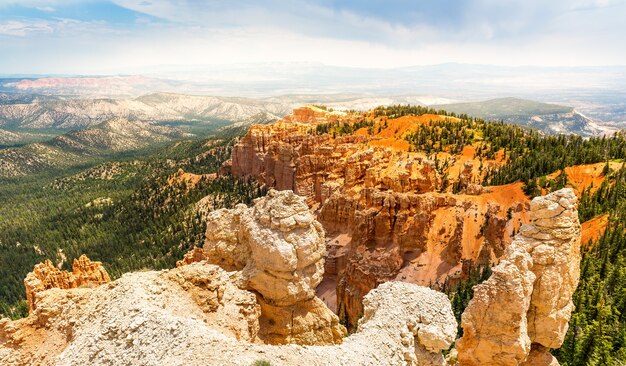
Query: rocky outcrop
[387,211]
[422,239]
[494,324]
[201,313]
[522,310]
[278,247]
[195,315]
[46,276]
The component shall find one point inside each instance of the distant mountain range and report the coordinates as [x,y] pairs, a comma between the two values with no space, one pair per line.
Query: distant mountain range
[20,112]
[113,136]
[43,132]
[156,108]
[87,128]
[597,92]
[549,118]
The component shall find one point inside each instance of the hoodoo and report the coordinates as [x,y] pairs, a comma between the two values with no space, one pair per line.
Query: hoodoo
[278,247]
[46,276]
[522,311]
[388,212]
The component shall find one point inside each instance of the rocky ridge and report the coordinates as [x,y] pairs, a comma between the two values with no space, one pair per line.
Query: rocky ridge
[270,259]
[113,136]
[158,107]
[194,315]
[200,313]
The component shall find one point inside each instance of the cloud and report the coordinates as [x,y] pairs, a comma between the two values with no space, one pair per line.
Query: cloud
[43,5]
[374,20]
[47,9]
[100,35]
[24,28]
[58,27]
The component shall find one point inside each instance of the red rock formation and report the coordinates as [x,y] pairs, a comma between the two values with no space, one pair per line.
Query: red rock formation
[379,203]
[46,276]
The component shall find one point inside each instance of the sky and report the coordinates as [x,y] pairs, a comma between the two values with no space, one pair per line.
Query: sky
[135,36]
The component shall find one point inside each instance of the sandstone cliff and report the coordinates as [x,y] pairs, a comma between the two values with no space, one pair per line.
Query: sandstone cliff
[388,212]
[46,276]
[522,311]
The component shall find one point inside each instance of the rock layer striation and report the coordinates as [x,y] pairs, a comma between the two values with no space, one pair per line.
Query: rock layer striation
[387,211]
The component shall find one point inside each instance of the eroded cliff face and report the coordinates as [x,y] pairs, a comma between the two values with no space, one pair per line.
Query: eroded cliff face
[46,276]
[389,213]
[262,293]
[522,310]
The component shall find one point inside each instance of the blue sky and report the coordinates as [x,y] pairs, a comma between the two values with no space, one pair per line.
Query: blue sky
[99,37]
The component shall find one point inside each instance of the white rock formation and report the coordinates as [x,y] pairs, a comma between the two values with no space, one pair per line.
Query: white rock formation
[193,315]
[524,307]
[279,248]
[277,244]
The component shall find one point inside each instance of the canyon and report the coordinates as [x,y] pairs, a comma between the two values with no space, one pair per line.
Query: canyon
[338,264]
[273,253]
[387,212]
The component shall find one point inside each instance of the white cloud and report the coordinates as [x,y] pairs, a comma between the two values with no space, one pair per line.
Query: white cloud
[515,32]
[47,9]
[24,28]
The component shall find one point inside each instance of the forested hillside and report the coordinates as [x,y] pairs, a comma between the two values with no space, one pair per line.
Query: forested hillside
[130,214]
[597,332]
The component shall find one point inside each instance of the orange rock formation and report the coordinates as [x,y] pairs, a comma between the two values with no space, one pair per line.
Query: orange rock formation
[46,276]
[189,180]
[581,177]
[388,213]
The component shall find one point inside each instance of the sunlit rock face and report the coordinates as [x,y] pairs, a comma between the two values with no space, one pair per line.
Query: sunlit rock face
[278,247]
[522,310]
[388,212]
[46,276]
